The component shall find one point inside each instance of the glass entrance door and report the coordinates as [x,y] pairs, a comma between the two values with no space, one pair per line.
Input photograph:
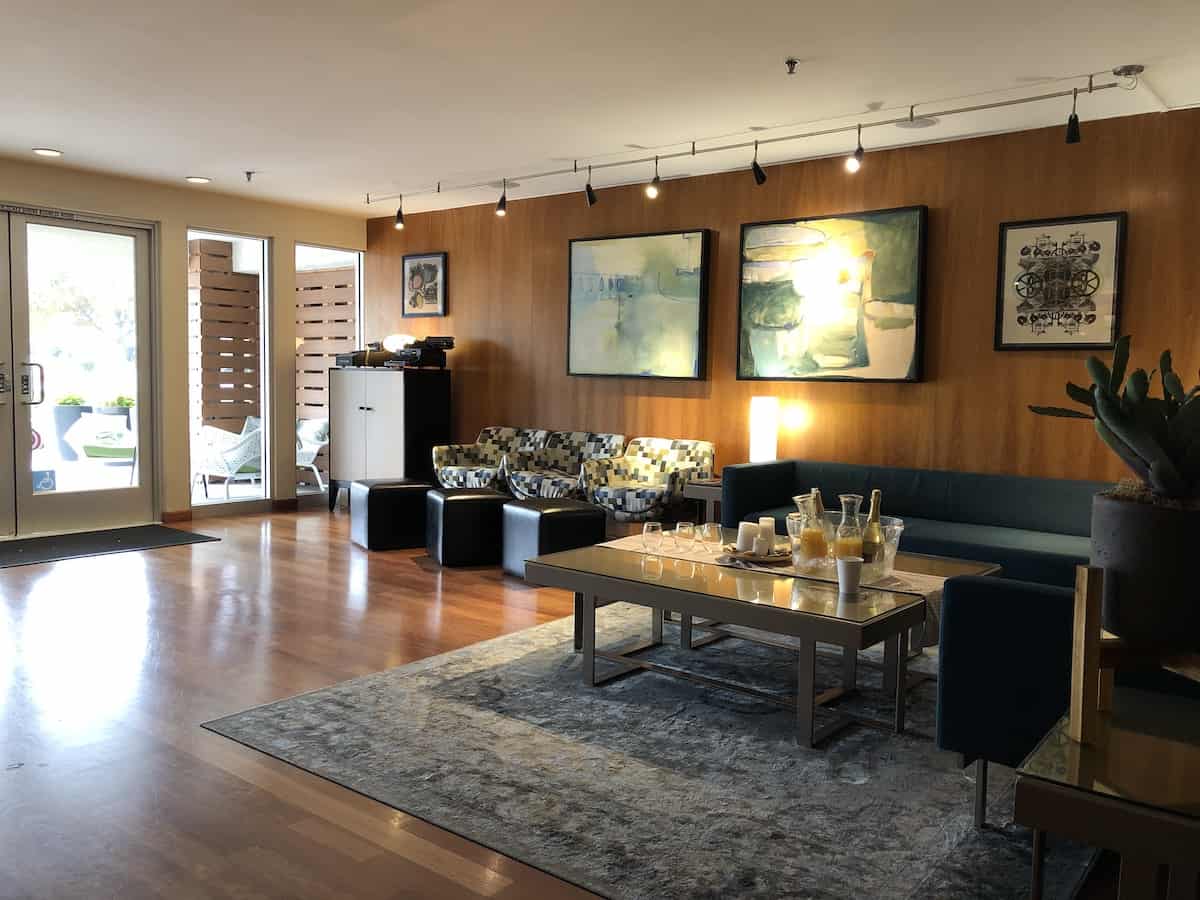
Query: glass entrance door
[81,402]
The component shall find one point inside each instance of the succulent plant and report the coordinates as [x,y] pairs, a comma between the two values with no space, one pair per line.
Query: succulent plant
[1157,437]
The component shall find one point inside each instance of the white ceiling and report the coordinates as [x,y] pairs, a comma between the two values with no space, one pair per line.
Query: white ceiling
[328,101]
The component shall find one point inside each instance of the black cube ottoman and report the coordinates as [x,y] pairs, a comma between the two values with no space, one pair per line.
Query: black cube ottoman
[388,514]
[534,527]
[462,525]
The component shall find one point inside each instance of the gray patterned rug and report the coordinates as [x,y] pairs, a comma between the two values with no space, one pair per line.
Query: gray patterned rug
[653,787]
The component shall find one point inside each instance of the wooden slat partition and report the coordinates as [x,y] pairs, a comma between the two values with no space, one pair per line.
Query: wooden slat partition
[225,374]
[326,325]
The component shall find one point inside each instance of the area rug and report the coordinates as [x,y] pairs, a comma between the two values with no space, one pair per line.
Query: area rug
[29,551]
[654,787]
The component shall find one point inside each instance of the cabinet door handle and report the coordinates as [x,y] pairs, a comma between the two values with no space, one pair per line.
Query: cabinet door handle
[369,408]
[362,407]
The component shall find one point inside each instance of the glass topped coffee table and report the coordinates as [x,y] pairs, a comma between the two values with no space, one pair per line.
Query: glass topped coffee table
[795,613]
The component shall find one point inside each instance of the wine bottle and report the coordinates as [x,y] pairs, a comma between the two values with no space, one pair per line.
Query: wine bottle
[873,533]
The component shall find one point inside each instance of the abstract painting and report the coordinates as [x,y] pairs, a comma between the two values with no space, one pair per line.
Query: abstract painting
[833,298]
[1058,283]
[637,305]
[424,285]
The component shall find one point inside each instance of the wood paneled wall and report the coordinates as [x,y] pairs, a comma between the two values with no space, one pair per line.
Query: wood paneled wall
[507,281]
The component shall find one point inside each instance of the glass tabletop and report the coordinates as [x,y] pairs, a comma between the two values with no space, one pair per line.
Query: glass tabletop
[1147,752]
[783,592]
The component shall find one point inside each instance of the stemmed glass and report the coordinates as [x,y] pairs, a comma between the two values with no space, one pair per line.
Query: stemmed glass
[652,537]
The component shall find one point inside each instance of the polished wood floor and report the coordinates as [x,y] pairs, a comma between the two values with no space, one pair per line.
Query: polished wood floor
[109,664]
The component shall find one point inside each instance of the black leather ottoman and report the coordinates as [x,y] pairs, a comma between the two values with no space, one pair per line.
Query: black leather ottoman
[462,525]
[534,527]
[388,514]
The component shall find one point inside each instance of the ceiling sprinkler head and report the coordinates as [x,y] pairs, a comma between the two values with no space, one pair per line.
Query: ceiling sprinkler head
[250,173]
[791,62]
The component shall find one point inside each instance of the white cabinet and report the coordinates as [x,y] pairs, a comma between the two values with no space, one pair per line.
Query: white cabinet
[384,423]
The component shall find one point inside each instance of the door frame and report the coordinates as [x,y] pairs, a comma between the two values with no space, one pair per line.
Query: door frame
[155,433]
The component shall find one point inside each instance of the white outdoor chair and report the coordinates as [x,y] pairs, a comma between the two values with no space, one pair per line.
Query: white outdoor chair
[312,436]
[234,457]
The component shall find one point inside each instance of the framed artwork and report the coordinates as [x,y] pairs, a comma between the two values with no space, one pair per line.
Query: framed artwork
[1058,283]
[833,298]
[637,305]
[424,284]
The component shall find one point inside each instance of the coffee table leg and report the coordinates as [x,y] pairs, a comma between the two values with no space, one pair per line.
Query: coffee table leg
[685,631]
[806,670]
[589,639]
[901,679]
[656,625]
[578,621]
[849,668]
[891,649]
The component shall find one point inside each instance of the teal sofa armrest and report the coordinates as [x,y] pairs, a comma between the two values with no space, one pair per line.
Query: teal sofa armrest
[746,487]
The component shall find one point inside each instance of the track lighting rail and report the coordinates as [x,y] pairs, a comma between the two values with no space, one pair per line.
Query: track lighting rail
[1126,81]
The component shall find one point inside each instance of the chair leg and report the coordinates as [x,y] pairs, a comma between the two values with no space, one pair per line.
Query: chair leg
[227,481]
[1039,856]
[317,473]
[204,481]
[980,792]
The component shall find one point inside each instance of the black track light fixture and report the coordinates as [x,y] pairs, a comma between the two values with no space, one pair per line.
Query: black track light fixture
[588,194]
[760,175]
[399,226]
[1073,136]
[655,183]
[502,203]
[854,160]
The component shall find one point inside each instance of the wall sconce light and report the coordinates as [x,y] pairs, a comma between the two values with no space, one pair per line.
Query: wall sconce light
[764,428]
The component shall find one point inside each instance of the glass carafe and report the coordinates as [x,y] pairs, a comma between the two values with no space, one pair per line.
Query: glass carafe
[848,542]
[806,529]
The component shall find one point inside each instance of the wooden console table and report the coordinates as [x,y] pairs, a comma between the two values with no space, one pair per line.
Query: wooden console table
[707,490]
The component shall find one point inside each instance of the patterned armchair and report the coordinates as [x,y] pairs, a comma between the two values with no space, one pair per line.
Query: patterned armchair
[649,479]
[478,465]
[556,469]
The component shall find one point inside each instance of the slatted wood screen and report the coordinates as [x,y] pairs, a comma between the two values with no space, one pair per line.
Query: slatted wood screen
[326,311]
[225,366]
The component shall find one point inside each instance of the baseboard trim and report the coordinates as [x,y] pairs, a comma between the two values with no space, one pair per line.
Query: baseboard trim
[179,515]
[291,504]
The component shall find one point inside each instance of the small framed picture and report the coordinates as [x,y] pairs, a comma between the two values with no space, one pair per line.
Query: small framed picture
[1059,282]
[424,285]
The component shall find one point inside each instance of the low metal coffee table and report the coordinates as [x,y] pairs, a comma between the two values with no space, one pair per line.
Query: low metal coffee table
[794,613]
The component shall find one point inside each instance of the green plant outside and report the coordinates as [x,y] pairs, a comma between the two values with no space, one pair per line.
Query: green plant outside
[71,400]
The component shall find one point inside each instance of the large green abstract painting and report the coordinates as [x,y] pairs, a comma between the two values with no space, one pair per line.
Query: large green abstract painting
[834,298]
[637,305]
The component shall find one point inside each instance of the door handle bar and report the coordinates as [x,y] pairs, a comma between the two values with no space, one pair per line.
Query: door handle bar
[25,392]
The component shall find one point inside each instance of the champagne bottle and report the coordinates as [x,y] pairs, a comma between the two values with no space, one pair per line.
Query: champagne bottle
[818,506]
[873,533]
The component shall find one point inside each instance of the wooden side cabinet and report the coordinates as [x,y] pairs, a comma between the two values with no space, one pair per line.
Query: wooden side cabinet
[384,423]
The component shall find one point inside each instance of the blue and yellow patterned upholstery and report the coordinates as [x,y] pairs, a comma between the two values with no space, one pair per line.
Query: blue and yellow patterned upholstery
[478,465]
[648,480]
[555,470]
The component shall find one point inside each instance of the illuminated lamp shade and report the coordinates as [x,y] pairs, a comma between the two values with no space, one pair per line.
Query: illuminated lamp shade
[764,428]
[394,343]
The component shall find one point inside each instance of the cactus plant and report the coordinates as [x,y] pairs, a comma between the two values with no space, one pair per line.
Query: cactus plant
[1157,437]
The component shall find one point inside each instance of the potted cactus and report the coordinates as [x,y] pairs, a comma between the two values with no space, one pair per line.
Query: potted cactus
[1144,531]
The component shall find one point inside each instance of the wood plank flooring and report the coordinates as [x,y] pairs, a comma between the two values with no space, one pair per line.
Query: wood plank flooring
[109,664]
[109,787]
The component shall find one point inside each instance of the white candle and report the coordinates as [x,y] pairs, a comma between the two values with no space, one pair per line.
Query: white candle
[747,532]
[766,527]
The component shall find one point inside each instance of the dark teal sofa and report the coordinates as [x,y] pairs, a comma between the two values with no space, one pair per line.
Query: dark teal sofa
[1035,528]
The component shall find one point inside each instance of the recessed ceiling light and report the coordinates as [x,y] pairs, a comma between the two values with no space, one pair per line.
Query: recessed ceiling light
[47,151]
[918,122]
[197,179]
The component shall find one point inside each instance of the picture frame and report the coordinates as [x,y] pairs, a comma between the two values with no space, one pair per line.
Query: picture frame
[637,305]
[424,285]
[881,251]
[1059,282]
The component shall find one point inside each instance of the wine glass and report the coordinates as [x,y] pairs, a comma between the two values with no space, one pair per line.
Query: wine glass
[685,535]
[652,537]
[711,536]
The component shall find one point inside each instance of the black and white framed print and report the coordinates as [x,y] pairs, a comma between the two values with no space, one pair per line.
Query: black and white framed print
[1058,283]
[424,284]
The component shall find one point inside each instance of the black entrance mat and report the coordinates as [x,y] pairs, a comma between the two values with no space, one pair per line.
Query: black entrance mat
[29,551]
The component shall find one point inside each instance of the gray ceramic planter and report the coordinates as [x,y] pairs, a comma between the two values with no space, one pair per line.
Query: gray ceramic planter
[1151,590]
